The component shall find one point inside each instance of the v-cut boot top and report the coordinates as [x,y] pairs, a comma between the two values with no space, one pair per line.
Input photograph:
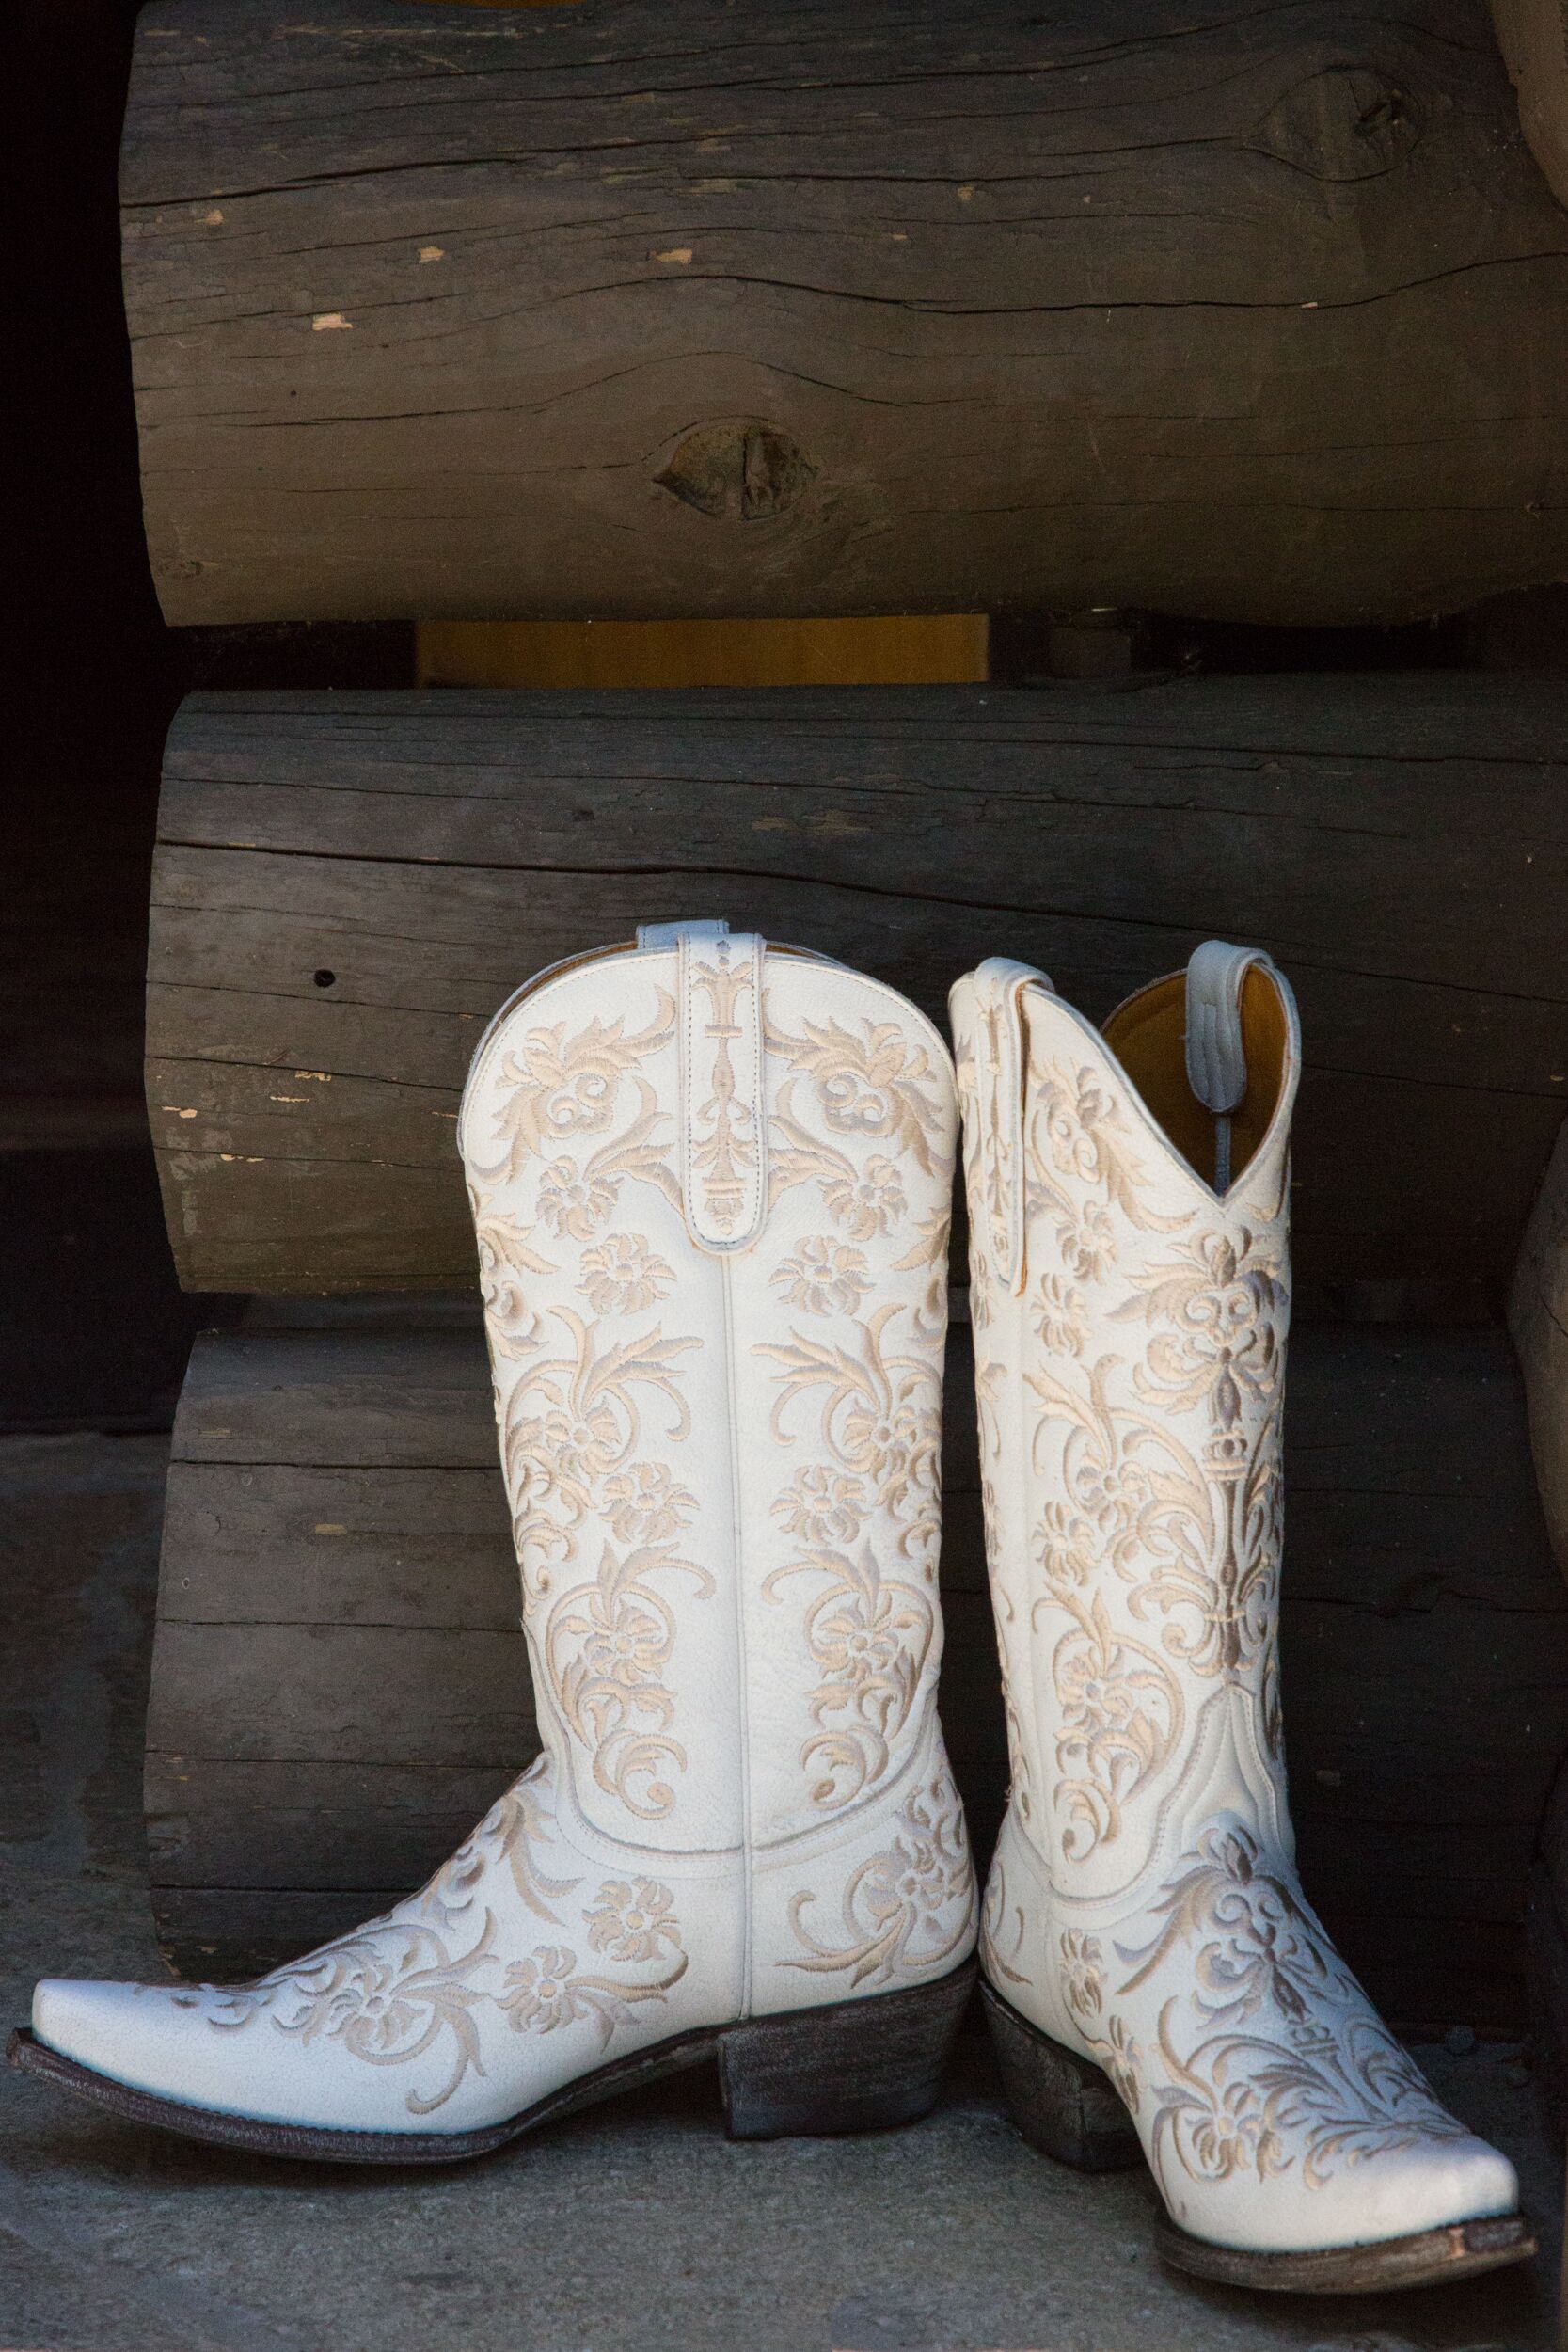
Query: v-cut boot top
[1131,1290]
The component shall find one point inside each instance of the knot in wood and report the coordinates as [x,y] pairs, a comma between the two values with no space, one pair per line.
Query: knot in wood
[739,470]
[1342,123]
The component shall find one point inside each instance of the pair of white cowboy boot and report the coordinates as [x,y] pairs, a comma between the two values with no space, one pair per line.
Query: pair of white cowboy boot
[711,1186]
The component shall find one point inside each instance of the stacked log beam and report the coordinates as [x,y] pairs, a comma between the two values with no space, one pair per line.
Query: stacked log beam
[567,312]
[347,885]
[1533,35]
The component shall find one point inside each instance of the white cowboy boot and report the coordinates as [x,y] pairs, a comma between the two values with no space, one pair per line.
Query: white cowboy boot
[1142,1920]
[712,1185]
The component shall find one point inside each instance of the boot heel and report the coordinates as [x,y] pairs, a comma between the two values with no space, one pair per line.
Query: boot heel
[1061,2103]
[858,2066]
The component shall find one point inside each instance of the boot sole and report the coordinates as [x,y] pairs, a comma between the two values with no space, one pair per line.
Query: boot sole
[850,2066]
[1064,2105]
[1428,2257]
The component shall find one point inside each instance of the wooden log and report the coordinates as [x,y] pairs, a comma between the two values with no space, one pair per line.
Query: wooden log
[1533,35]
[339,1682]
[346,887]
[338,1686]
[1421,1732]
[471,313]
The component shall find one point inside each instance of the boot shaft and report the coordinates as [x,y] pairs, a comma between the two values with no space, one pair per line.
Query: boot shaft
[710,1183]
[1131,1298]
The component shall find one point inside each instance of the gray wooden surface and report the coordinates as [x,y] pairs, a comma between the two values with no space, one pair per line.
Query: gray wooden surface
[347,885]
[339,1687]
[1257,313]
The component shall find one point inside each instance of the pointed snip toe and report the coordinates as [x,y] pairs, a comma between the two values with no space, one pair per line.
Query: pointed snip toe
[852,2066]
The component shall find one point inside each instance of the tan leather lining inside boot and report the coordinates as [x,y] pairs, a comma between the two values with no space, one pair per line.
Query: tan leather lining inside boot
[1147,1036]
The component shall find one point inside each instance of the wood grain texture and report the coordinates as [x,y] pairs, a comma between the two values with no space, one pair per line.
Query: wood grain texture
[338,1689]
[1533,35]
[348,885]
[587,312]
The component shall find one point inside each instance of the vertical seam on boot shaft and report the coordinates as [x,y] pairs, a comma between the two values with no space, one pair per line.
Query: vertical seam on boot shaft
[1036,1829]
[742,1664]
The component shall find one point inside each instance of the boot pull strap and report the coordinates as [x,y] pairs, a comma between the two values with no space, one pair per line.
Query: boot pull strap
[1001,1074]
[723,1117]
[670,934]
[1216,1042]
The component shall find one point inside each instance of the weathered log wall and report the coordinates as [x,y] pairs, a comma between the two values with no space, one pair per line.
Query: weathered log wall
[1538,1318]
[348,885]
[578,311]
[340,1686]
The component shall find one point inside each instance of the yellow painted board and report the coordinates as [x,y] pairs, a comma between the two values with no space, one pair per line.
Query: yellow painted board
[919,649]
